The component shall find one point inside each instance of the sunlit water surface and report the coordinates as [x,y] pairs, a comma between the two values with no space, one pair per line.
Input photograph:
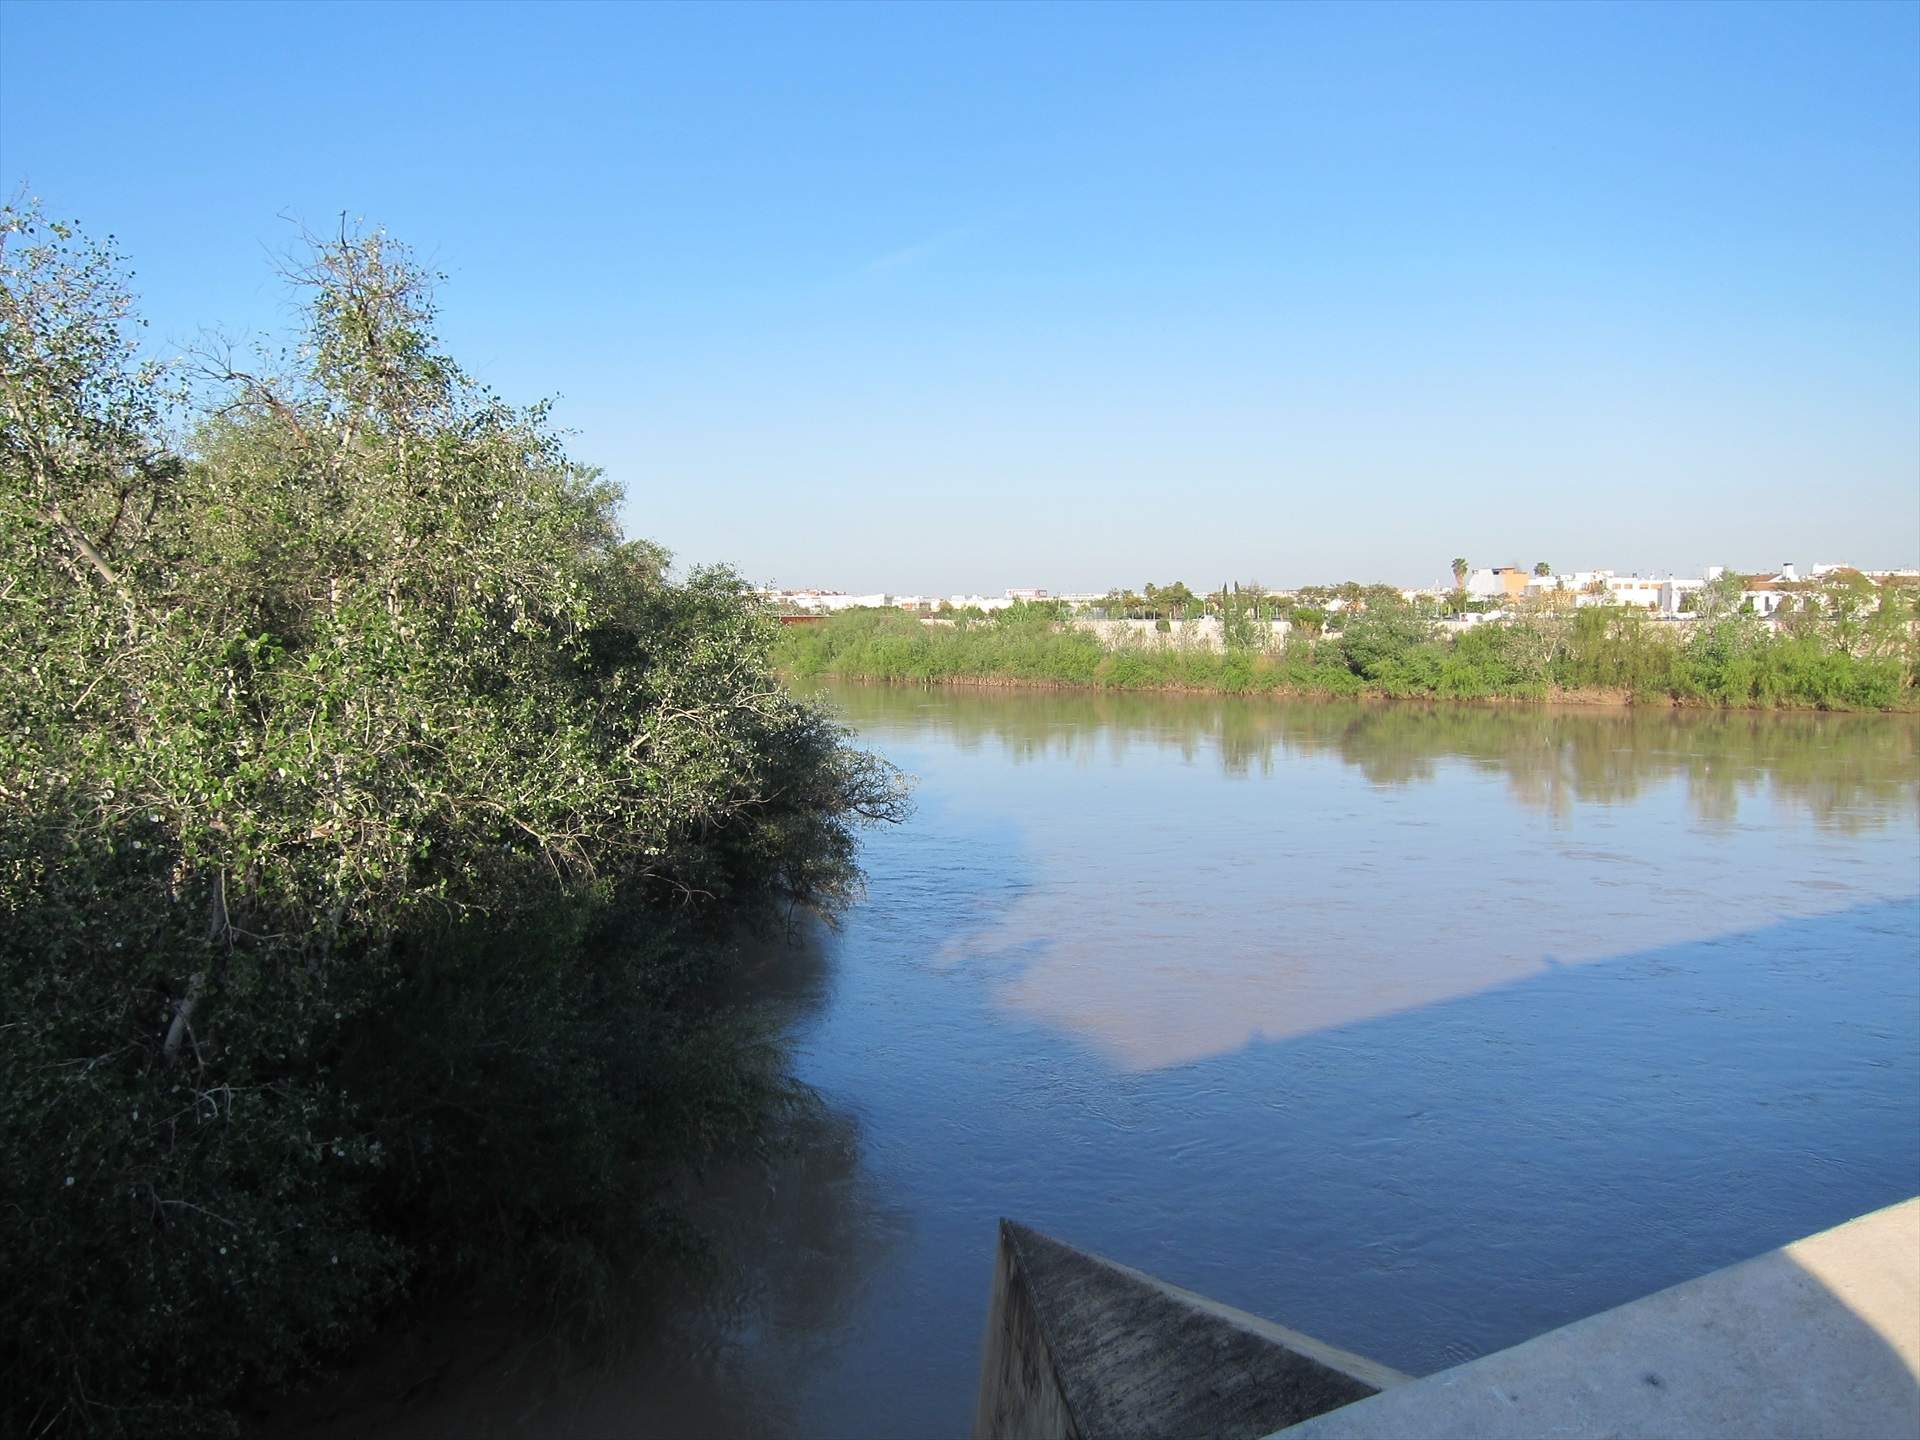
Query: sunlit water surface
[1421,1030]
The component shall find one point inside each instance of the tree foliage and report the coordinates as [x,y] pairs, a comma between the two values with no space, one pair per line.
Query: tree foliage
[1382,645]
[371,817]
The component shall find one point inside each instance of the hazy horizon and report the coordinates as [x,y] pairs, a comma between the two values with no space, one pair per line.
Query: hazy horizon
[945,299]
[1444,580]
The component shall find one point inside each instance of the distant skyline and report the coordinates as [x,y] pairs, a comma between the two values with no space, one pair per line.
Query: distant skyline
[1210,584]
[941,298]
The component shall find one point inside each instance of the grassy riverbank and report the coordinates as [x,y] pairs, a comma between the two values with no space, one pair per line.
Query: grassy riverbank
[1594,655]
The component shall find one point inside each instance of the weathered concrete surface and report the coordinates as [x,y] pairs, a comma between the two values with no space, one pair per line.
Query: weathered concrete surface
[1080,1348]
[1190,634]
[1020,1395]
[1819,1339]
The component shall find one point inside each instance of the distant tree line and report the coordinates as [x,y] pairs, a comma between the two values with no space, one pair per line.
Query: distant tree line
[1830,654]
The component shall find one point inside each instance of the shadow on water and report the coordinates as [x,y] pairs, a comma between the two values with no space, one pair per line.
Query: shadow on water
[1422,1187]
[1436,1184]
[791,1236]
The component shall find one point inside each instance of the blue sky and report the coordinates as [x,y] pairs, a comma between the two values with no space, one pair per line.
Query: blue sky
[917,297]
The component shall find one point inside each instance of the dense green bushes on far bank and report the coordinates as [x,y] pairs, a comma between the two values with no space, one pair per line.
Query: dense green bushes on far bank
[1735,661]
[375,828]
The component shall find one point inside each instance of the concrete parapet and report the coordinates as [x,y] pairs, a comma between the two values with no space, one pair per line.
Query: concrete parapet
[1818,1339]
[1081,1348]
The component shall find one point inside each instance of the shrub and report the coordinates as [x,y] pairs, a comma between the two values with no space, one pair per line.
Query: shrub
[371,818]
[1377,641]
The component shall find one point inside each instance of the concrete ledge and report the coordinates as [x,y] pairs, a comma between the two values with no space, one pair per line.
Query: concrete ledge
[1081,1348]
[1819,1339]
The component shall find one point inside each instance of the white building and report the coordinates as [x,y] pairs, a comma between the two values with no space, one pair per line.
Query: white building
[1766,593]
[1639,591]
[1673,593]
[1587,587]
[1497,582]
[822,602]
[1609,587]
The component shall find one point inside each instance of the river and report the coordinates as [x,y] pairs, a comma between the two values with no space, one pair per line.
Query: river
[1422,1030]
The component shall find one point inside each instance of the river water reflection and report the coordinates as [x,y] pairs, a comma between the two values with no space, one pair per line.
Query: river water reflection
[1422,1030]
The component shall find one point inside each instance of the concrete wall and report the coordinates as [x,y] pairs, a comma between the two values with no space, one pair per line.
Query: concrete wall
[1020,1396]
[1200,634]
[1820,1339]
[1080,1348]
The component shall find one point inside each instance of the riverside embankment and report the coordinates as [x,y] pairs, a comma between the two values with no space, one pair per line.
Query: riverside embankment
[1593,657]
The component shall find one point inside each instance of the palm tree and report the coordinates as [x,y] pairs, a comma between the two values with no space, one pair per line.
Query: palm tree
[1459,572]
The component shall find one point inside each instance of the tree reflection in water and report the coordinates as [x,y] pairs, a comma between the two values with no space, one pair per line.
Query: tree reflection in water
[789,1239]
[1849,772]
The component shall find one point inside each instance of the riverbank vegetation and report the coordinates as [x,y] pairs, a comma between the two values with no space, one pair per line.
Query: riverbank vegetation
[1844,660]
[376,828]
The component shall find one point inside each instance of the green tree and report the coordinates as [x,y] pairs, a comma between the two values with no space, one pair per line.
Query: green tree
[1720,596]
[1308,621]
[1242,626]
[1542,569]
[1375,642]
[1459,572]
[368,809]
[1173,600]
[1846,601]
